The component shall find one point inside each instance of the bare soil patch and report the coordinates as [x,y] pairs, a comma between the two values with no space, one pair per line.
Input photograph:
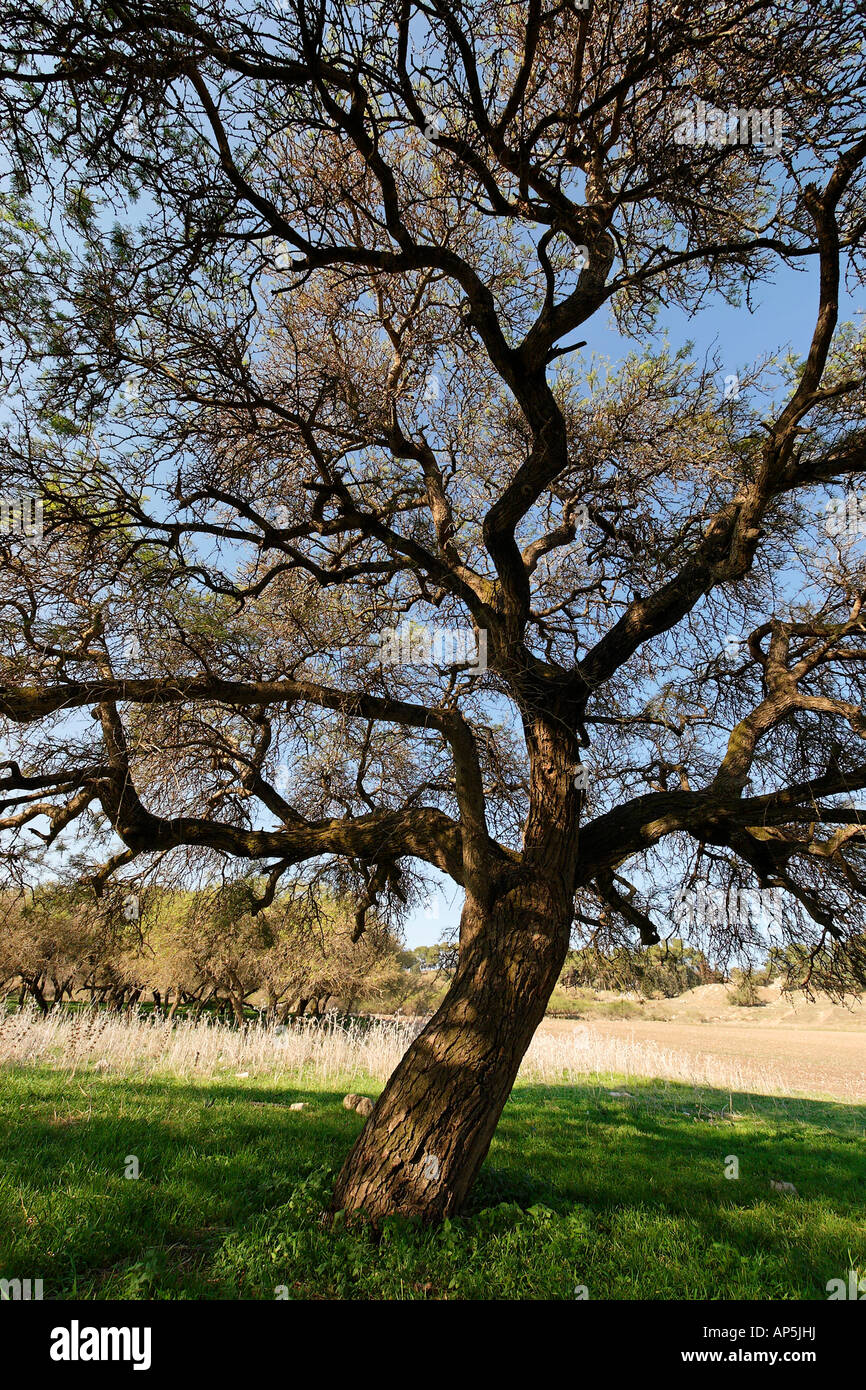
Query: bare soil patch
[811,1049]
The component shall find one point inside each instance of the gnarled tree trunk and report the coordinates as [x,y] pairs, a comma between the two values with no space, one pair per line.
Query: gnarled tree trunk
[430,1130]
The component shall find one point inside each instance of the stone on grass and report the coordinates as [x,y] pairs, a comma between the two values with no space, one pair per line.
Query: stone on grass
[362,1104]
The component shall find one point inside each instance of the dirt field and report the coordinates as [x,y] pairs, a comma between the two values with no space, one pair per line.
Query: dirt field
[812,1048]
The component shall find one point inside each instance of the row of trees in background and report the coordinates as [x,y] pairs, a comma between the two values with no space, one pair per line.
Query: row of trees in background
[667,969]
[671,967]
[206,949]
[195,950]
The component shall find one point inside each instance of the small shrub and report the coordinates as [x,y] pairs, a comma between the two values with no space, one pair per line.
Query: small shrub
[744,990]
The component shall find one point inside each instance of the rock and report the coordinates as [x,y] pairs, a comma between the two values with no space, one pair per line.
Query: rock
[297,1105]
[362,1104]
[784,1187]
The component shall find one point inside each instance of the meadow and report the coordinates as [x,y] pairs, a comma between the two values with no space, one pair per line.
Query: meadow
[598,1185]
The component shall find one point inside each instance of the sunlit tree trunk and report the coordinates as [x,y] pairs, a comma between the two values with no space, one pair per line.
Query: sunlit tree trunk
[430,1130]
[421,1148]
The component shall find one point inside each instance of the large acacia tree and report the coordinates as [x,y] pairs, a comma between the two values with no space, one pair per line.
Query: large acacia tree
[293,299]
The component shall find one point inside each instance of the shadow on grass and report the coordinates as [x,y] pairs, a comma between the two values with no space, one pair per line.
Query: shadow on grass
[641,1178]
[670,1142]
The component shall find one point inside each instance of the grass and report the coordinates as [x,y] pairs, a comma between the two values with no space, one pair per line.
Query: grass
[626,1196]
[333,1050]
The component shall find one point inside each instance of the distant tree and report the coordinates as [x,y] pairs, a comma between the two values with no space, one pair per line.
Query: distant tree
[426,957]
[357,568]
[202,949]
[744,989]
[667,969]
[57,941]
[800,967]
[442,956]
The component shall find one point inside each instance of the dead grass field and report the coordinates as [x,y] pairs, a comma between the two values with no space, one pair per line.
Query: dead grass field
[787,1045]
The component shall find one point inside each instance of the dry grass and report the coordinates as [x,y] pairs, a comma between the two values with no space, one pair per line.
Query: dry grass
[150,1045]
[780,1060]
[581,1052]
[327,1051]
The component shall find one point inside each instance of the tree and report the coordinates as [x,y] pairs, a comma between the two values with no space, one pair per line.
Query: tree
[357,567]
[744,990]
[798,967]
[442,956]
[205,949]
[59,941]
[667,969]
[298,952]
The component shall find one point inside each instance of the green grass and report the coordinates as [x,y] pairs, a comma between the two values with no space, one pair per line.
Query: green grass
[627,1197]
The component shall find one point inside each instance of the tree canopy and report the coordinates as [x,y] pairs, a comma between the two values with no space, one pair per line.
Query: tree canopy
[294,301]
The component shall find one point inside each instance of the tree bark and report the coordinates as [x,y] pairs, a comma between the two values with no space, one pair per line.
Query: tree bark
[35,987]
[421,1148]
